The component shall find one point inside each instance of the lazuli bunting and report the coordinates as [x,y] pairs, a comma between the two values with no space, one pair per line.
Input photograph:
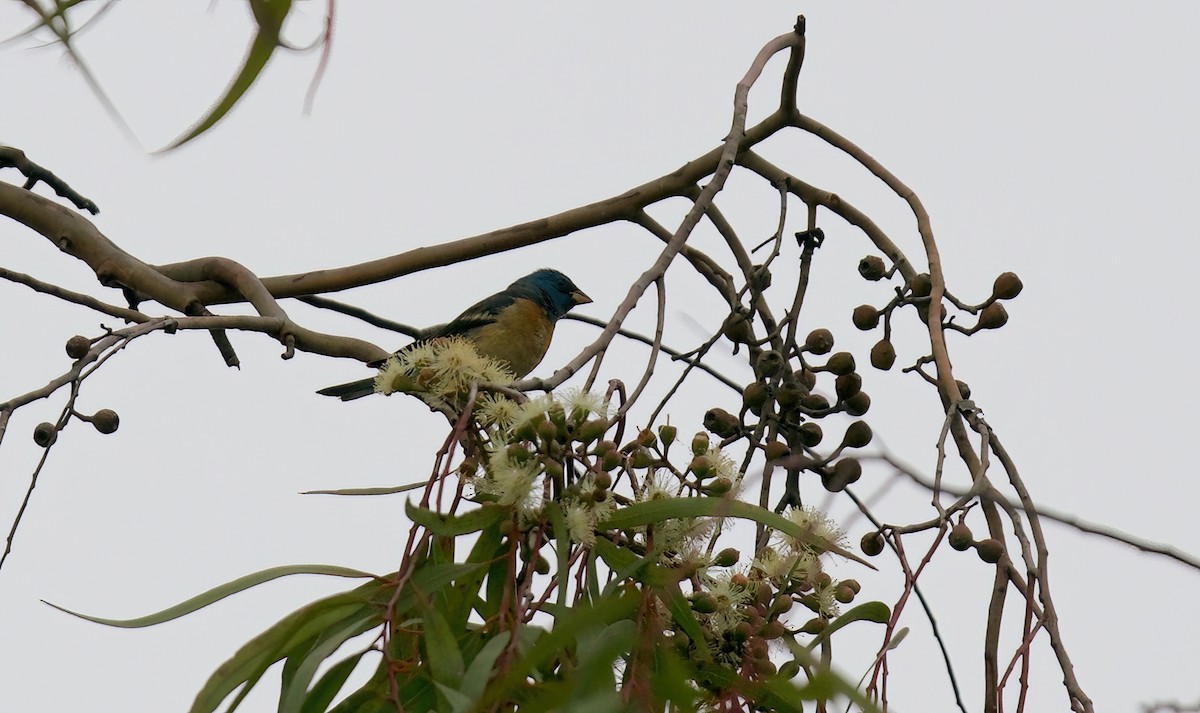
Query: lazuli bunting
[513,326]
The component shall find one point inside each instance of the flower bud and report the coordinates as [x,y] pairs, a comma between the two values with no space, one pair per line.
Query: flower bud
[700,443]
[646,438]
[667,434]
[719,486]
[704,603]
[701,466]
[727,557]
[591,430]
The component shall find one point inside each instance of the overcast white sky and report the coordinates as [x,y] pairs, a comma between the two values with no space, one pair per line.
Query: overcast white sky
[1058,141]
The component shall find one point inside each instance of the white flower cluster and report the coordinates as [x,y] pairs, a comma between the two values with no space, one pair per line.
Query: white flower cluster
[440,367]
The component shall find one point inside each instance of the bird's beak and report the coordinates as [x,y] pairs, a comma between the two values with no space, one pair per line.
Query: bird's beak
[579,298]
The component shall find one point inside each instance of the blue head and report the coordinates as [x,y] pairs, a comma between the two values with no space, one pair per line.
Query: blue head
[550,289]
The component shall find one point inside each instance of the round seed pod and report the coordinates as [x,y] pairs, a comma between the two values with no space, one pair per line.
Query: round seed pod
[840,363]
[852,584]
[871,543]
[810,433]
[45,434]
[78,346]
[872,268]
[768,364]
[990,550]
[819,341]
[964,391]
[994,316]
[865,317]
[883,355]
[960,537]
[858,435]
[541,565]
[1006,286]
[814,402]
[776,450]
[806,378]
[754,396]
[843,594]
[921,285]
[722,423]
[602,480]
[738,329]
[106,421]
[847,385]
[789,394]
[858,404]
[845,472]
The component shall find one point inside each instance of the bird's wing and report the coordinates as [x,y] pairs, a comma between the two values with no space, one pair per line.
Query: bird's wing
[478,315]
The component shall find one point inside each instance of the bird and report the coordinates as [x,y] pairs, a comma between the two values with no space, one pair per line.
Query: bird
[513,326]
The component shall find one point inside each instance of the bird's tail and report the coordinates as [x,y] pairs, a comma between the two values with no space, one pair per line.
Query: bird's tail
[350,391]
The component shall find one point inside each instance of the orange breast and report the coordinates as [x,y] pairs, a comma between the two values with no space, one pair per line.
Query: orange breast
[519,337]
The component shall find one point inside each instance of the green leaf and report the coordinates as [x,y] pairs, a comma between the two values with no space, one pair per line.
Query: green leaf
[442,654]
[299,631]
[269,14]
[474,681]
[681,612]
[652,511]
[368,491]
[327,688]
[876,612]
[294,694]
[455,525]
[216,594]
